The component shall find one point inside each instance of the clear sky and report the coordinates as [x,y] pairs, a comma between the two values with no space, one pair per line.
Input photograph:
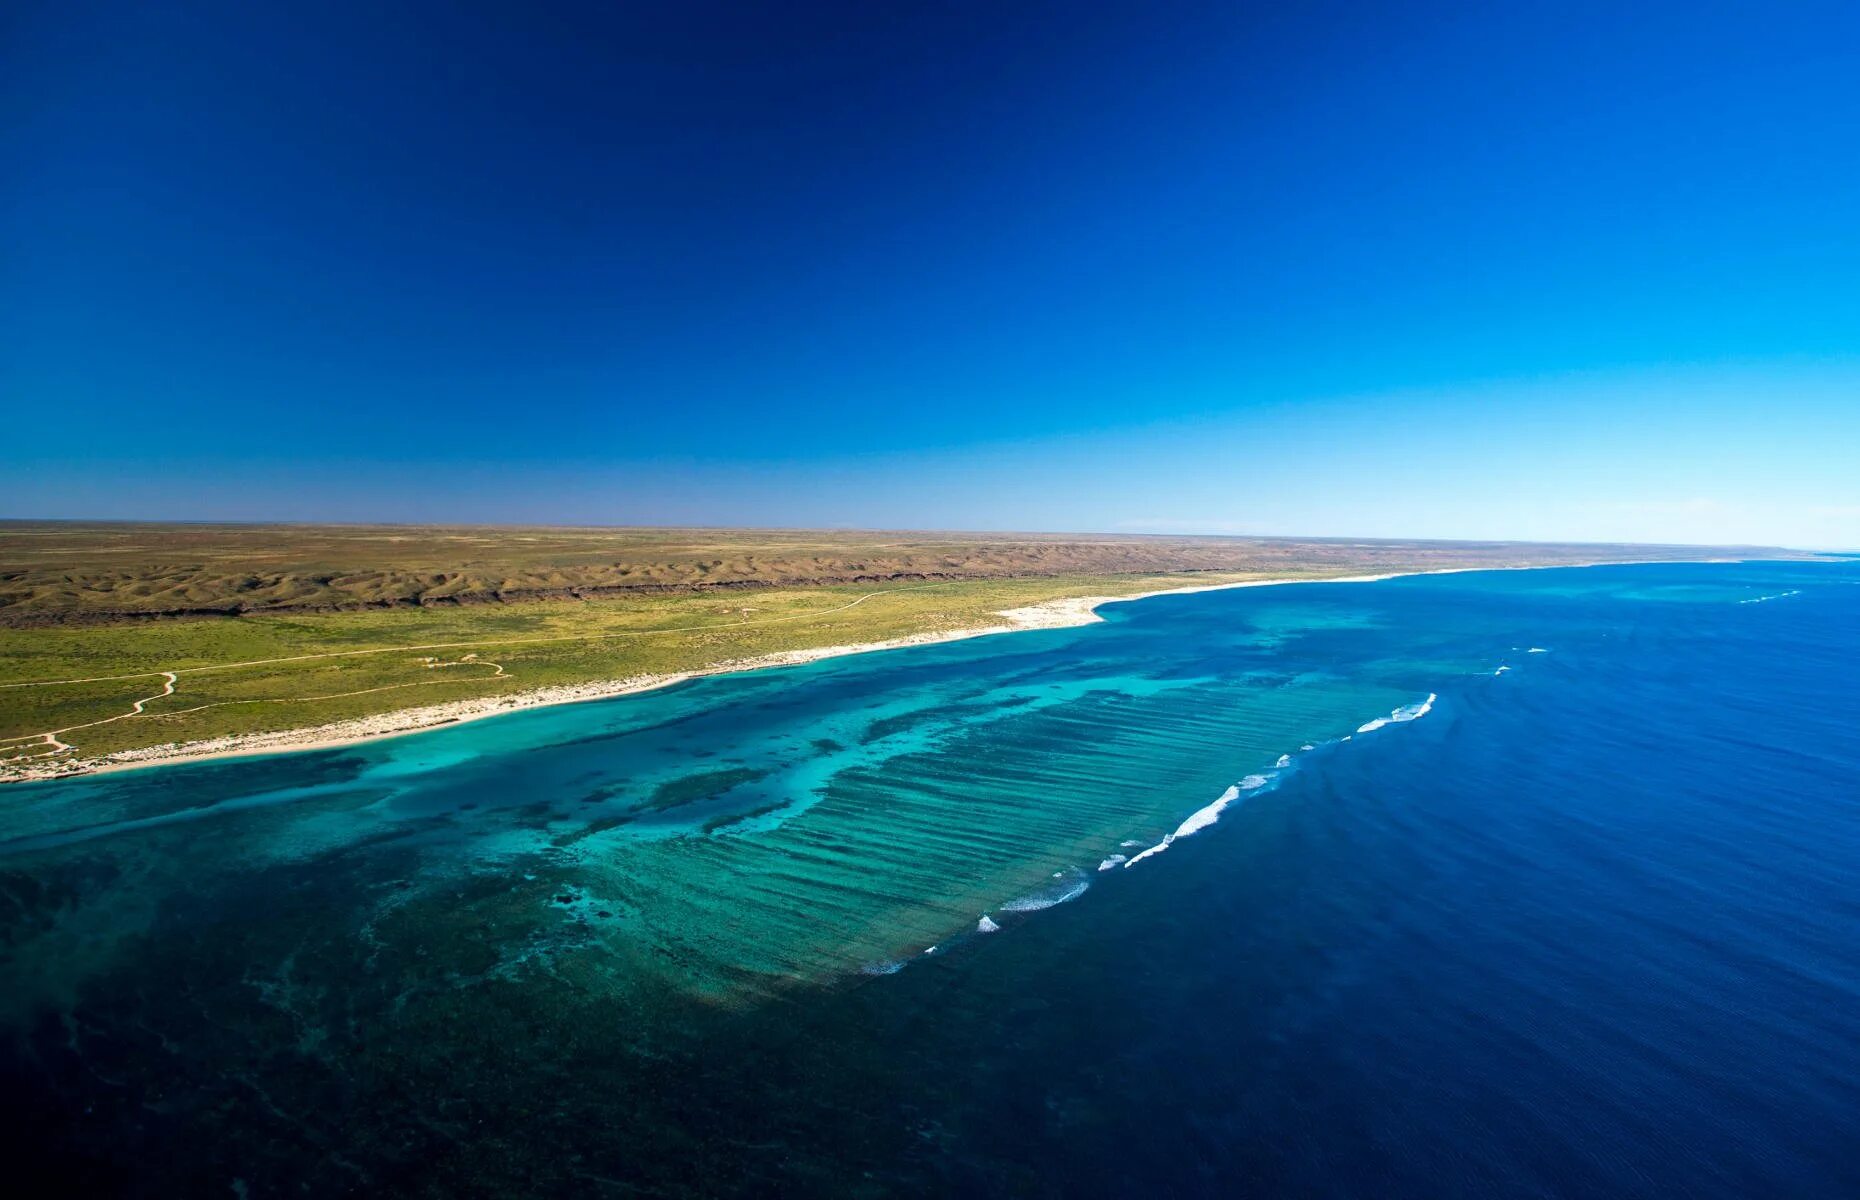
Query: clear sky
[1545,271]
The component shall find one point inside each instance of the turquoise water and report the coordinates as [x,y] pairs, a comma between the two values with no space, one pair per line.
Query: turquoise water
[1522,882]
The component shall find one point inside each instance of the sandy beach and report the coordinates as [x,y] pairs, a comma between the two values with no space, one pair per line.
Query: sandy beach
[1052,614]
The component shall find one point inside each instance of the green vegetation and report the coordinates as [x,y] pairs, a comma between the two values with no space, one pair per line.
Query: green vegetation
[285,666]
[399,658]
[57,572]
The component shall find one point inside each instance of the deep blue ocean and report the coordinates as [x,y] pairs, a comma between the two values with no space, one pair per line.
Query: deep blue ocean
[1515,883]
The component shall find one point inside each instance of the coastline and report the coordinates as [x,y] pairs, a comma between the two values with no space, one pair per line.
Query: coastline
[1064,613]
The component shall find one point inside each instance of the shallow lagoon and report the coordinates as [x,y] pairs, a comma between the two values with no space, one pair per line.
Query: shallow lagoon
[1576,927]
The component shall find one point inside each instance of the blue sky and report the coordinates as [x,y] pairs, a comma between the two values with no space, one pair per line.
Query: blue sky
[1574,272]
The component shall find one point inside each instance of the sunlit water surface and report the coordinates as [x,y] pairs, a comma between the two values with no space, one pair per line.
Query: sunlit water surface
[1534,883]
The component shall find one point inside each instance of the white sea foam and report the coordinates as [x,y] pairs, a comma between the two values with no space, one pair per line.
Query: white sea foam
[1158,848]
[1200,819]
[1071,886]
[1128,842]
[1110,862]
[1407,712]
[1285,760]
[1501,670]
[1774,596]
[882,968]
[1537,650]
[985,925]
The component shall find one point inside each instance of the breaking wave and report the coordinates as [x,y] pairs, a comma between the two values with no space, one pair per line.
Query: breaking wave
[1201,818]
[1407,712]
[1069,884]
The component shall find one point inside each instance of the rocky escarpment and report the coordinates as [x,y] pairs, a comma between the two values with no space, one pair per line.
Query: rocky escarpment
[56,573]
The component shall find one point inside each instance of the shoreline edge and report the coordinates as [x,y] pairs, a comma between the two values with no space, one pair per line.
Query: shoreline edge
[1063,613]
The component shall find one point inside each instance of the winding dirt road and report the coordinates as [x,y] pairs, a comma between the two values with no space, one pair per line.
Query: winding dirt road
[171,677]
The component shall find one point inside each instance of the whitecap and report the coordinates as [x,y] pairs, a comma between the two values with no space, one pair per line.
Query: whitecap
[1071,886]
[1285,760]
[1501,670]
[1773,596]
[881,968]
[985,925]
[1158,848]
[1407,712]
[1537,650]
[1200,819]
[1128,842]
[1110,862]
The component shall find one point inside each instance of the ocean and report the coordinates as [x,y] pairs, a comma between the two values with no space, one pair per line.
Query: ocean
[1507,883]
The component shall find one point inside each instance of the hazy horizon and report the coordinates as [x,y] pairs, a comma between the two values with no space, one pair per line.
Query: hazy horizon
[955,531]
[1011,601]
[1572,275]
